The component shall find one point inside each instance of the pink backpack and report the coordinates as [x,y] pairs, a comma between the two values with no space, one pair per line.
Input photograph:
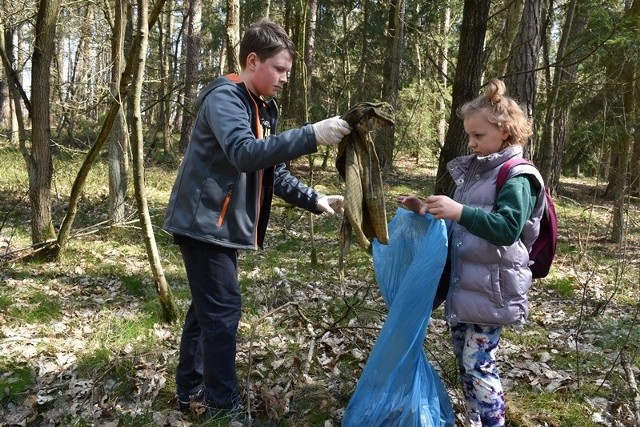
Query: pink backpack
[544,248]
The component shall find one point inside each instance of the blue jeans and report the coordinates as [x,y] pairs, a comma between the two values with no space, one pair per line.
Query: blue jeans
[475,348]
[208,343]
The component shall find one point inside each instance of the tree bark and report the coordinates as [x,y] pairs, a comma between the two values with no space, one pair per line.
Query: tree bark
[170,311]
[119,137]
[232,36]
[5,101]
[444,75]
[629,106]
[392,73]
[191,70]
[39,162]
[364,43]
[310,46]
[550,153]
[16,93]
[166,77]
[498,47]
[520,79]
[465,87]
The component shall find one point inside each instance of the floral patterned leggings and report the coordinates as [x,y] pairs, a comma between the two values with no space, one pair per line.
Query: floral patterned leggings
[475,349]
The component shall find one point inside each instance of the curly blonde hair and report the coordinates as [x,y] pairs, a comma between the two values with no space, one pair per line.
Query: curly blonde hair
[502,111]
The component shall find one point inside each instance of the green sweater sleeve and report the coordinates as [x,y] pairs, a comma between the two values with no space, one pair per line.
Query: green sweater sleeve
[503,227]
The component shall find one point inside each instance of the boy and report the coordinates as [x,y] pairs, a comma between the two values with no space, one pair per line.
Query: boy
[221,199]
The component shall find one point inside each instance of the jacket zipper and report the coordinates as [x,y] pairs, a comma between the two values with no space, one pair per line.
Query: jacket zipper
[260,135]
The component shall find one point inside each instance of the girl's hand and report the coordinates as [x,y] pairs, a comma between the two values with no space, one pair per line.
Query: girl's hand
[443,207]
[413,203]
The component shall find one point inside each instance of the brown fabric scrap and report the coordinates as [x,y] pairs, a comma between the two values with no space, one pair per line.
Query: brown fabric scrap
[358,165]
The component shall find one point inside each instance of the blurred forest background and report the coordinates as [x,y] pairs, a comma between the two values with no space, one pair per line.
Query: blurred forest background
[112,82]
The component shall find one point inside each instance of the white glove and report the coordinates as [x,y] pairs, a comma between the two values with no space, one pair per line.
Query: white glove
[331,131]
[330,204]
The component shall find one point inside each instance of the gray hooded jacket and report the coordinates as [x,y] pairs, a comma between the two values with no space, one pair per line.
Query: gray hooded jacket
[222,194]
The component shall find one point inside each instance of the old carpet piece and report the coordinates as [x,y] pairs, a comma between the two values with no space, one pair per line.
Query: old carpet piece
[358,165]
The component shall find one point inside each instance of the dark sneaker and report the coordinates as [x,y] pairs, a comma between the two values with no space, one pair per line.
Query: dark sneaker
[185,399]
[235,417]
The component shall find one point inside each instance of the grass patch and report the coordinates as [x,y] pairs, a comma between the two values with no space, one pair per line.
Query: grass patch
[312,404]
[532,337]
[15,381]
[5,302]
[618,333]
[91,363]
[122,330]
[565,286]
[135,286]
[40,308]
[535,407]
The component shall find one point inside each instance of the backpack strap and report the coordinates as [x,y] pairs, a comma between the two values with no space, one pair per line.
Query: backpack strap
[503,173]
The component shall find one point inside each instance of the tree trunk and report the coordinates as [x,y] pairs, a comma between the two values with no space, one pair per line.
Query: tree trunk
[170,311]
[523,60]
[166,77]
[16,93]
[39,162]
[309,38]
[119,137]
[550,153]
[232,36]
[444,77]
[499,47]
[266,8]
[392,73]
[191,70]
[465,87]
[634,166]
[77,92]
[5,101]
[362,68]
[623,145]
[310,46]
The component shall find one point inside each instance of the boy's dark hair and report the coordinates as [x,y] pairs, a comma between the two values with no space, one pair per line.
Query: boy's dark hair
[266,39]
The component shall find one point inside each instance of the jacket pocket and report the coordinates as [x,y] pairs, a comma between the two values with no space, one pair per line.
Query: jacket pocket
[225,207]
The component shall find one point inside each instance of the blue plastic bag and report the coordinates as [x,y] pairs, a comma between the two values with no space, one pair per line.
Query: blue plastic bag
[398,386]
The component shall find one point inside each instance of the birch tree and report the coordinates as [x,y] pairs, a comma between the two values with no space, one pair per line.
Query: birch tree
[169,308]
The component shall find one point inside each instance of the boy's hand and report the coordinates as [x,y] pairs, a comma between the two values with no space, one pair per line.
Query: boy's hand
[330,204]
[443,207]
[331,131]
[414,204]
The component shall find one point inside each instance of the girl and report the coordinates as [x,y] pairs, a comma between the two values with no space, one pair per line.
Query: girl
[489,238]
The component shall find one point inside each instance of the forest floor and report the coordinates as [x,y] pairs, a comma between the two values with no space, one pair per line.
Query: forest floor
[82,341]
